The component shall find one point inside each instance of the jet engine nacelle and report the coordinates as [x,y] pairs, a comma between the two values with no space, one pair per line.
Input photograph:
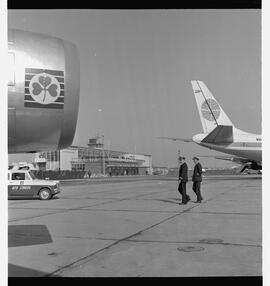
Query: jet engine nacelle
[43,92]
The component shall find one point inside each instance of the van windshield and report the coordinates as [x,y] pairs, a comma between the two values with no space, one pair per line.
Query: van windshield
[31,174]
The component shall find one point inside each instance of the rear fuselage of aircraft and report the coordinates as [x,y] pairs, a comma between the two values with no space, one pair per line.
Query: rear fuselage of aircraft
[220,134]
[245,146]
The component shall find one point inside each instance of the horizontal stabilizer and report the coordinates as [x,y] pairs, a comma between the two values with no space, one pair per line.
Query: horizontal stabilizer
[227,158]
[238,160]
[177,139]
[221,134]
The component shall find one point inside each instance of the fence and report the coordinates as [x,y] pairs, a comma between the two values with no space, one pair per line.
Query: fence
[60,175]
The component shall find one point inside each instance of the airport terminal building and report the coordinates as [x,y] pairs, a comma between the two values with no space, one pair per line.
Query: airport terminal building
[95,160]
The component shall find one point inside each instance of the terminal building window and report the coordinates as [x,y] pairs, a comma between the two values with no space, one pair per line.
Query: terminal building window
[78,167]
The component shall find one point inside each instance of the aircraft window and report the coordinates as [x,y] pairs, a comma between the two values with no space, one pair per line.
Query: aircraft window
[11,69]
[18,176]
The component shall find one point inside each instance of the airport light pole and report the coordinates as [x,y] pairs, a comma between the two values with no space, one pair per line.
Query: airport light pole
[103,154]
[108,156]
[103,157]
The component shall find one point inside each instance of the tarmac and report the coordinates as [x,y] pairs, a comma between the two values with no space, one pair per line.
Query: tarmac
[135,227]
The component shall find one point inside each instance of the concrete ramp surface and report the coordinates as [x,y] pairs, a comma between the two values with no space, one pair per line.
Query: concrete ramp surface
[138,228]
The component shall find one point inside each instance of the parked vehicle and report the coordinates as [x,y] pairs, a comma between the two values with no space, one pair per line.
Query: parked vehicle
[23,183]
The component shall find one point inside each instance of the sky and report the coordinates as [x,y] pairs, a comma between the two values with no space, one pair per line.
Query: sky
[136,69]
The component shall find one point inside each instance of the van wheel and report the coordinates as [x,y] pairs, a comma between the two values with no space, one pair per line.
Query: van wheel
[44,194]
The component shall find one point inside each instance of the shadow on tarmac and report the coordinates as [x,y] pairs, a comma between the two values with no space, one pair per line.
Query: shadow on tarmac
[19,271]
[24,235]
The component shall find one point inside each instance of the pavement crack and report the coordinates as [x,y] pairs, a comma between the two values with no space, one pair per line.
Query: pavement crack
[87,258]
[81,208]
[193,242]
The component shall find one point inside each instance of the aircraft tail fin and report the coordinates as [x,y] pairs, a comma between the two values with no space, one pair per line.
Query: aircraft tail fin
[211,113]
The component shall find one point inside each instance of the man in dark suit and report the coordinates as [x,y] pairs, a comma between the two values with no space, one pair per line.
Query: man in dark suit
[197,178]
[182,180]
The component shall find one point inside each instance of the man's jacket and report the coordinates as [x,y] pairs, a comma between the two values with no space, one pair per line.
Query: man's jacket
[183,172]
[197,173]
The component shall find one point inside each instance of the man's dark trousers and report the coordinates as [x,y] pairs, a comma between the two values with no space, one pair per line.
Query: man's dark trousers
[183,192]
[197,190]
[197,178]
[183,178]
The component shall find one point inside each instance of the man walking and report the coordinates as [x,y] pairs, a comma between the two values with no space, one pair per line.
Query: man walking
[197,178]
[182,179]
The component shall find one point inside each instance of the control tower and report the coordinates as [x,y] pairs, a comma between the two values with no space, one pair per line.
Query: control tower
[94,143]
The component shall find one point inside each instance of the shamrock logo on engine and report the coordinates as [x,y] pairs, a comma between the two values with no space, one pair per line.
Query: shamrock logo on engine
[44,88]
